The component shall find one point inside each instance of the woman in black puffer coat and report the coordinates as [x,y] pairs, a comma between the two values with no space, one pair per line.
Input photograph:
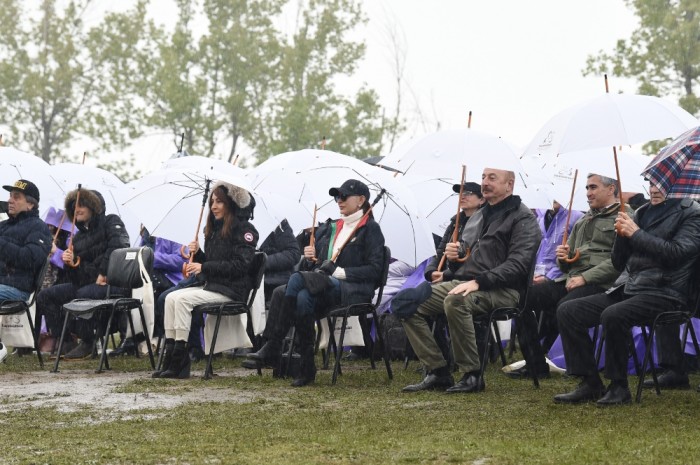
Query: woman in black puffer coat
[348,257]
[96,237]
[223,272]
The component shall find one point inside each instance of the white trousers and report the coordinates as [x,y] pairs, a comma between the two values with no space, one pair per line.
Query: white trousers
[178,309]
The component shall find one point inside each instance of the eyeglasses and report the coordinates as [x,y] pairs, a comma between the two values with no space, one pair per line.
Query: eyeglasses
[467,193]
[342,197]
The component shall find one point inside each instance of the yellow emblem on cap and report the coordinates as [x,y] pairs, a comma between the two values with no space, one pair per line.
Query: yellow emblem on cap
[20,185]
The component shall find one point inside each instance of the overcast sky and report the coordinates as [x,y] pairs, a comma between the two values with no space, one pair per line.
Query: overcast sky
[513,63]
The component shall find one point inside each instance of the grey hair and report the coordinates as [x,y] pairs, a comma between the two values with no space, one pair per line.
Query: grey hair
[606,181]
[32,200]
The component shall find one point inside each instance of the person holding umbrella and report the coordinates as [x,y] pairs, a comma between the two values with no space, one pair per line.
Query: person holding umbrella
[499,243]
[86,260]
[342,267]
[657,249]
[585,269]
[222,272]
[25,243]
[469,202]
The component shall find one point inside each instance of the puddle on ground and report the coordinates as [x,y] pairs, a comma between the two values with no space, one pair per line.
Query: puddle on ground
[77,390]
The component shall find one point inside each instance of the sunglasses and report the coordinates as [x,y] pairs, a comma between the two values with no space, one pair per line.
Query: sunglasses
[342,197]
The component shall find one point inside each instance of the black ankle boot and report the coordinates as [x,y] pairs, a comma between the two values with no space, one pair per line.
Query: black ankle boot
[306,332]
[269,355]
[168,347]
[278,324]
[180,364]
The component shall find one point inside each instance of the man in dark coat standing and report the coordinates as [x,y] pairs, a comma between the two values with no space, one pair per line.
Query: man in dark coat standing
[657,249]
[25,243]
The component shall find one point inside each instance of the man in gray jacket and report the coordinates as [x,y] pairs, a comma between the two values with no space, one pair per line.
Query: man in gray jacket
[497,247]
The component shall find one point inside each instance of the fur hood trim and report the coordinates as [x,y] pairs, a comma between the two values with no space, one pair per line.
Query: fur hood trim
[240,196]
[91,199]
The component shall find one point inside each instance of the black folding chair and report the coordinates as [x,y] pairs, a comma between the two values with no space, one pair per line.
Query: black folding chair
[18,307]
[504,314]
[232,308]
[369,308]
[123,271]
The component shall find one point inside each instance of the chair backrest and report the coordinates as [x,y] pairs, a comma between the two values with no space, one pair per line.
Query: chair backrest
[384,276]
[124,269]
[257,270]
[39,280]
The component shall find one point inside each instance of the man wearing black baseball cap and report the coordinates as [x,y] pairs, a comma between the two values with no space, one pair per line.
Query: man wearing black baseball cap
[25,243]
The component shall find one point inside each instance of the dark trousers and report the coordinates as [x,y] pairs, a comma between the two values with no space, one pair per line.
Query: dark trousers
[544,299]
[617,313]
[49,304]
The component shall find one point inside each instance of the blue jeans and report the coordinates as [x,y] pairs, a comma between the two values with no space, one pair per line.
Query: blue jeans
[306,303]
[12,293]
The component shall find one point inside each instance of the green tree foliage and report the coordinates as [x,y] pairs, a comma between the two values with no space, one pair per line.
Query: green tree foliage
[59,79]
[663,54]
[306,106]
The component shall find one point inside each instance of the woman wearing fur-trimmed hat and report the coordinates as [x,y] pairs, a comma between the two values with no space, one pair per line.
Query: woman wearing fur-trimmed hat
[223,273]
[96,236]
[349,252]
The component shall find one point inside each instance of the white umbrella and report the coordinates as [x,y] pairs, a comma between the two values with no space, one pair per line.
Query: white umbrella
[610,120]
[405,228]
[15,164]
[199,163]
[442,154]
[69,175]
[168,203]
[561,169]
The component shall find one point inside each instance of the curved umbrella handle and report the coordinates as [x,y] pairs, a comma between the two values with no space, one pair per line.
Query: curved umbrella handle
[573,259]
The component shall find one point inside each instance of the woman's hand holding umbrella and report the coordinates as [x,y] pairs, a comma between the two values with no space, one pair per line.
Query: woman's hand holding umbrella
[193,268]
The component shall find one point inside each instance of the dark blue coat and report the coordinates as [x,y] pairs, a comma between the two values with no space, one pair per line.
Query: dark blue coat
[362,259]
[25,243]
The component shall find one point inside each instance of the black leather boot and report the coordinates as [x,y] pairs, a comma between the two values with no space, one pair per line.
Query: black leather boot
[270,354]
[306,332]
[180,363]
[168,347]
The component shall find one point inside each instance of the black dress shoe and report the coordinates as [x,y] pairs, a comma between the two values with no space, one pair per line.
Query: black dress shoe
[616,395]
[523,373]
[669,379]
[584,392]
[431,382]
[468,383]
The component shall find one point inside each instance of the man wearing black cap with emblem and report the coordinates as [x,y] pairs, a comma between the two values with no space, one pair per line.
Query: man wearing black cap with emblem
[25,243]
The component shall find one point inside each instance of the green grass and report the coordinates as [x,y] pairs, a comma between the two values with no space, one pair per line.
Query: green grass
[364,419]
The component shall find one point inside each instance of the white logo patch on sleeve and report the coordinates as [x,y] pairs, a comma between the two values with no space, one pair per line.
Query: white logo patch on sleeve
[248,237]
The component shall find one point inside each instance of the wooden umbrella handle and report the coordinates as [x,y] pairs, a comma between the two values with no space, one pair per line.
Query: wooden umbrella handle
[76,260]
[190,258]
[455,231]
[565,235]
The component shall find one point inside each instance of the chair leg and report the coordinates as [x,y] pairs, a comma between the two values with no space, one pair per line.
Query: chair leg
[529,356]
[60,344]
[284,368]
[487,341]
[148,338]
[160,351]
[499,342]
[105,338]
[339,349]
[331,342]
[382,343]
[34,337]
[645,362]
[209,372]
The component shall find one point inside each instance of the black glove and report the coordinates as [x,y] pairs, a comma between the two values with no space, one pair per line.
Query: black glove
[327,267]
